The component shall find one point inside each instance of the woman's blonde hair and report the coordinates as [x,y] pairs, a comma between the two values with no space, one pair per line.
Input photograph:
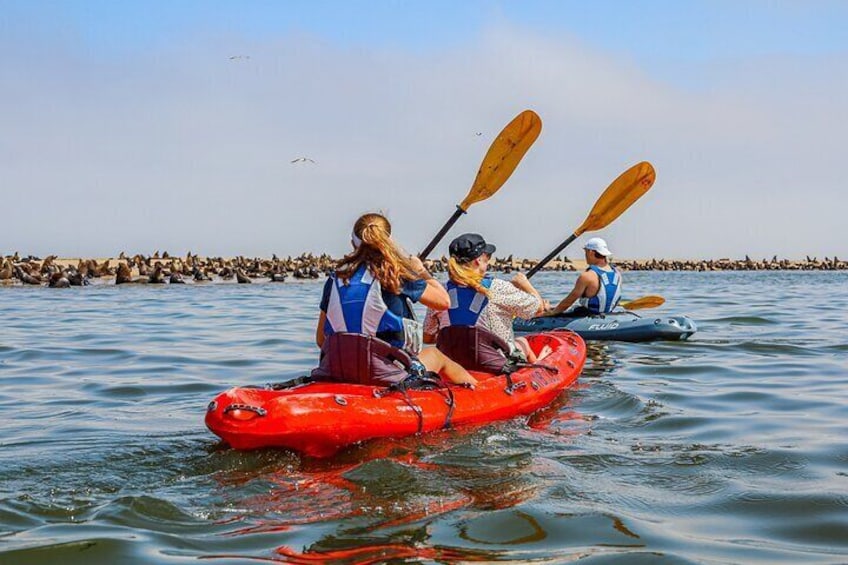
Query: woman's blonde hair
[376,249]
[464,274]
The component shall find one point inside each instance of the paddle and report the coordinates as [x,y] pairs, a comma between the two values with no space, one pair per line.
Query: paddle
[618,197]
[500,161]
[650,301]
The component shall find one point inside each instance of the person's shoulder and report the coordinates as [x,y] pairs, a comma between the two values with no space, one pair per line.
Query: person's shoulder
[502,290]
[500,286]
[413,285]
[413,288]
[587,276]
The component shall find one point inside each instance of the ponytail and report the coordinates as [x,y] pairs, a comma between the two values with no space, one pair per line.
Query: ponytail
[375,248]
[464,274]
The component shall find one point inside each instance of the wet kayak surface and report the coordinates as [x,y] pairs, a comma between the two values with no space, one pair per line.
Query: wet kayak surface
[619,325]
[728,447]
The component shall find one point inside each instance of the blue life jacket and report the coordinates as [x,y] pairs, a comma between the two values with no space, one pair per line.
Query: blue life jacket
[474,347]
[609,292]
[466,304]
[358,307]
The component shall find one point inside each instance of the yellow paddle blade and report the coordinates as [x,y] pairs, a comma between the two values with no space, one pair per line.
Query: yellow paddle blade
[651,301]
[503,156]
[619,196]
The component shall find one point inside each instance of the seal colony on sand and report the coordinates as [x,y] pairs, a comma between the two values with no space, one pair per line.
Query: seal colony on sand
[158,269]
[163,268]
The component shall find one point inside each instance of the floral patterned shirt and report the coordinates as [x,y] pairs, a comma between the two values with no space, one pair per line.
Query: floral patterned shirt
[506,302]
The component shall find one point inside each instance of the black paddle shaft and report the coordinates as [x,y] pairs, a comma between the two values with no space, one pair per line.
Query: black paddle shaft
[551,255]
[459,212]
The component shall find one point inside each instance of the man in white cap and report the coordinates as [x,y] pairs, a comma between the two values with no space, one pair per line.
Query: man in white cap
[598,289]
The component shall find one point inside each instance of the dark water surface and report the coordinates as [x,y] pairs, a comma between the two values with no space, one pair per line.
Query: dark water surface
[729,448]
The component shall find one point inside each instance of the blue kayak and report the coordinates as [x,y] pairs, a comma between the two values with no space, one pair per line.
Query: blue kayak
[615,326]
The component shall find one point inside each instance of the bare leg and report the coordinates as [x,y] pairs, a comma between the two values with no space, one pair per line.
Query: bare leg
[524,345]
[546,350]
[436,361]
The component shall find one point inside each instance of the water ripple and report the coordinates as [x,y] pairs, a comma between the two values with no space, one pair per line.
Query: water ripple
[726,448]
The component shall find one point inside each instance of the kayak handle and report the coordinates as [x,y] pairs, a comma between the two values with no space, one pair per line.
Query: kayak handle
[245,407]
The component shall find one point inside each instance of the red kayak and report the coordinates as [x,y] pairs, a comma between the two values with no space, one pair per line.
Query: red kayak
[319,418]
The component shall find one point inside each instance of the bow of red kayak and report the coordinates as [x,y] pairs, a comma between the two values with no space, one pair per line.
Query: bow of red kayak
[319,418]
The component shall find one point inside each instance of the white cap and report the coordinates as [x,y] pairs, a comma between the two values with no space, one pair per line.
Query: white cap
[599,245]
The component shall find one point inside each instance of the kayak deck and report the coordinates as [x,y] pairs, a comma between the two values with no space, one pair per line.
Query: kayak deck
[319,418]
[615,326]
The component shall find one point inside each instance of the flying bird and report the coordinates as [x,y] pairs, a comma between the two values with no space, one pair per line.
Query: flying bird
[239,57]
[302,160]
[479,133]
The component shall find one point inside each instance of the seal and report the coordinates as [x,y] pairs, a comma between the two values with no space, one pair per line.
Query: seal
[156,277]
[7,272]
[141,264]
[27,278]
[124,275]
[58,280]
[199,275]
[76,278]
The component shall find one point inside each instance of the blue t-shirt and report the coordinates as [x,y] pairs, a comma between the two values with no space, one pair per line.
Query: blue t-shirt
[396,303]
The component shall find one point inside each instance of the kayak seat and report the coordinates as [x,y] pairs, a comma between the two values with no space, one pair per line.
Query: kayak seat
[361,359]
[475,348]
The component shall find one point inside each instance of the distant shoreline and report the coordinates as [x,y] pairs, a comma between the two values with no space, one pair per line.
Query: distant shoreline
[78,271]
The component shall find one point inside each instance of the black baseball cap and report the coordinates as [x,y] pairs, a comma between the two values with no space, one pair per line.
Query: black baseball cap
[469,246]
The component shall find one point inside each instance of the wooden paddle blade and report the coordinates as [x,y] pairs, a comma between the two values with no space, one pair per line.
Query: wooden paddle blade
[651,301]
[503,156]
[619,196]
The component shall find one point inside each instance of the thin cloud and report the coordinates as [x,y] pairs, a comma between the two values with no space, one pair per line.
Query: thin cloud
[180,149]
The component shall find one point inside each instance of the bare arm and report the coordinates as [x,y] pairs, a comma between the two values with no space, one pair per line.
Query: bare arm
[319,331]
[578,291]
[521,282]
[435,296]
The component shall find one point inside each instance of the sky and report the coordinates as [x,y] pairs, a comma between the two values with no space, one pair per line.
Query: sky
[160,125]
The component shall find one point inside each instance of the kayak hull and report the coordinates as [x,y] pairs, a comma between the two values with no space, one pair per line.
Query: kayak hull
[318,419]
[615,326]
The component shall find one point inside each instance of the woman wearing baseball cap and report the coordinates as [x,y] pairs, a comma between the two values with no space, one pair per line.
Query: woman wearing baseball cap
[482,302]
[598,289]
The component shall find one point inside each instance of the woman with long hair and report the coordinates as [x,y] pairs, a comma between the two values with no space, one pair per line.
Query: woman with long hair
[369,297]
[482,301]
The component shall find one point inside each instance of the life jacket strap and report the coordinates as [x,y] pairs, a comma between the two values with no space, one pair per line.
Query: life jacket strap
[294,383]
[421,379]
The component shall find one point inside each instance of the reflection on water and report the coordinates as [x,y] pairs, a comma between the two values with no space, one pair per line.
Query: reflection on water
[524,527]
[726,448]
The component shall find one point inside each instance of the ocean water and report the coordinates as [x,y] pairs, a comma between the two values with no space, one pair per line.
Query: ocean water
[729,448]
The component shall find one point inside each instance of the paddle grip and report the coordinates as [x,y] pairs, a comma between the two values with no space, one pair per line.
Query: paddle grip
[448,225]
[551,255]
